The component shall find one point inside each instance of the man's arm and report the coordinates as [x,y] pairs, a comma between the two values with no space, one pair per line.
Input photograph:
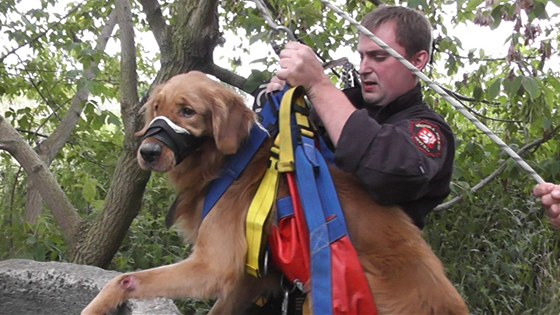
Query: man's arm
[391,160]
[299,66]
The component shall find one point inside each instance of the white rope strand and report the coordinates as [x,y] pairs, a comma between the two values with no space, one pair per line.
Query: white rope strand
[458,106]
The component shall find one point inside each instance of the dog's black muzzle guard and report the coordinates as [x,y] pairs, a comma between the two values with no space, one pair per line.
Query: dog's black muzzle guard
[177,139]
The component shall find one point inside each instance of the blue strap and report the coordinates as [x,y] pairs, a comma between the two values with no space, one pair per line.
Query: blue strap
[327,153]
[327,192]
[319,245]
[284,207]
[324,217]
[324,220]
[233,168]
[235,164]
[332,210]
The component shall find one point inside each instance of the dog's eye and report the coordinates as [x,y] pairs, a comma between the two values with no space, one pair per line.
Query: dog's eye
[187,112]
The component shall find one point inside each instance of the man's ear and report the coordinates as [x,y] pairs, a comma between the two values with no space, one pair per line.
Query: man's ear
[231,120]
[420,59]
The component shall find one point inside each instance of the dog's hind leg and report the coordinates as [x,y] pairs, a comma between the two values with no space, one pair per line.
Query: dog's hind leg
[246,293]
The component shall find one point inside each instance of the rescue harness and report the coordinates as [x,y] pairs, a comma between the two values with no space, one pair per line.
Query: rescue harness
[309,242]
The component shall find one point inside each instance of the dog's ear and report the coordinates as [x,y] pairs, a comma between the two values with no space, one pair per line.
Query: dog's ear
[149,108]
[231,120]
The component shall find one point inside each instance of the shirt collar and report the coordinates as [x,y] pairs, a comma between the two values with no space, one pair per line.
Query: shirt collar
[380,113]
[407,100]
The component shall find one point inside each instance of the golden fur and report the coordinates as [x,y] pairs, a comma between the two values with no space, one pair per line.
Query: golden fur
[404,274]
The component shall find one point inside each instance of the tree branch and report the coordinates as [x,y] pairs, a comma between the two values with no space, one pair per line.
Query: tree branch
[49,148]
[228,77]
[461,99]
[63,212]
[152,9]
[56,141]
[129,77]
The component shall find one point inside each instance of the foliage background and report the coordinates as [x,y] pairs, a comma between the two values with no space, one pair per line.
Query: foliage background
[499,250]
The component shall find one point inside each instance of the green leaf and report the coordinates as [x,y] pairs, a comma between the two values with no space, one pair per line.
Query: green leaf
[554,82]
[539,11]
[73,74]
[496,19]
[414,3]
[511,87]
[549,98]
[451,65]
[255,79]
[257,37]
[473,4]
[531,86]
[98,205]
[494,89]
[89,189]
[477,92]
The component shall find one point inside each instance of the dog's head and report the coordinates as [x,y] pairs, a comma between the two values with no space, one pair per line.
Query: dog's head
[187,113]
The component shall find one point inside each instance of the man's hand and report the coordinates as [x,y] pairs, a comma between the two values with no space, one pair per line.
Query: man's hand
[550,198]
[275,84]
[300,66]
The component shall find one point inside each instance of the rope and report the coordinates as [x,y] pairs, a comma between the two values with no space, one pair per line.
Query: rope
[503,146]
[346,78]
[268,18]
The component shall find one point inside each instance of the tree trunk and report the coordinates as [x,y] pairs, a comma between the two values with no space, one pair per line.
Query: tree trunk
[124,200]
[190,45]
[192,39]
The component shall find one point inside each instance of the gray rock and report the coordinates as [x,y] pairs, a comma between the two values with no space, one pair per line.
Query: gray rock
[41,288]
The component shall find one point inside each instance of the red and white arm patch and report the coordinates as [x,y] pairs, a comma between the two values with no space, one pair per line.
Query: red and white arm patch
[427,137]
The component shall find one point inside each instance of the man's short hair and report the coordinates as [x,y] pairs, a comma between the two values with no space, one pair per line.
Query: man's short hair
[413,30]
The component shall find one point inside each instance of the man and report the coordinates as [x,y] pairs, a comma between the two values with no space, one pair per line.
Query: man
[382,132]
[550,198]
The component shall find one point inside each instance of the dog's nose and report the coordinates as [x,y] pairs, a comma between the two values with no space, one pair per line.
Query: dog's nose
[150,151]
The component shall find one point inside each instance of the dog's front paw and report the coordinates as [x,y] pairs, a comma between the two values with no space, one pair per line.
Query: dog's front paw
[96,309]
[100,306]
[111,296]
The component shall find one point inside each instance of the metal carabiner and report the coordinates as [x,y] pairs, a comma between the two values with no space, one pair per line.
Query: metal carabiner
[270,21]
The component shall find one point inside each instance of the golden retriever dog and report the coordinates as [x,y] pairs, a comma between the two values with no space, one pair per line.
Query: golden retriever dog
[404,275]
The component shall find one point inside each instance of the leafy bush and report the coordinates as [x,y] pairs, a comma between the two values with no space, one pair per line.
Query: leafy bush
[149,243]
[500,252]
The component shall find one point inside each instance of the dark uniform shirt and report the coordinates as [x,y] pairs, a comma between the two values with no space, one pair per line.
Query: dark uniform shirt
[402,152]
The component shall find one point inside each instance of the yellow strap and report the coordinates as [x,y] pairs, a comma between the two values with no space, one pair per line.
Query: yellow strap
[301,119]
[266,194]
[258,212]
[286,162]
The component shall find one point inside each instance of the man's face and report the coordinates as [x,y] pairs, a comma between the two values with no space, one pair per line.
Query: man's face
[383,77]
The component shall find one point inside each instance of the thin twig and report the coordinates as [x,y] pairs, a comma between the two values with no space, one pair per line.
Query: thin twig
[524,150]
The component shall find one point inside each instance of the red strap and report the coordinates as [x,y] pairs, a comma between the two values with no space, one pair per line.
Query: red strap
[300,219]
[351,293]
[290,243]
